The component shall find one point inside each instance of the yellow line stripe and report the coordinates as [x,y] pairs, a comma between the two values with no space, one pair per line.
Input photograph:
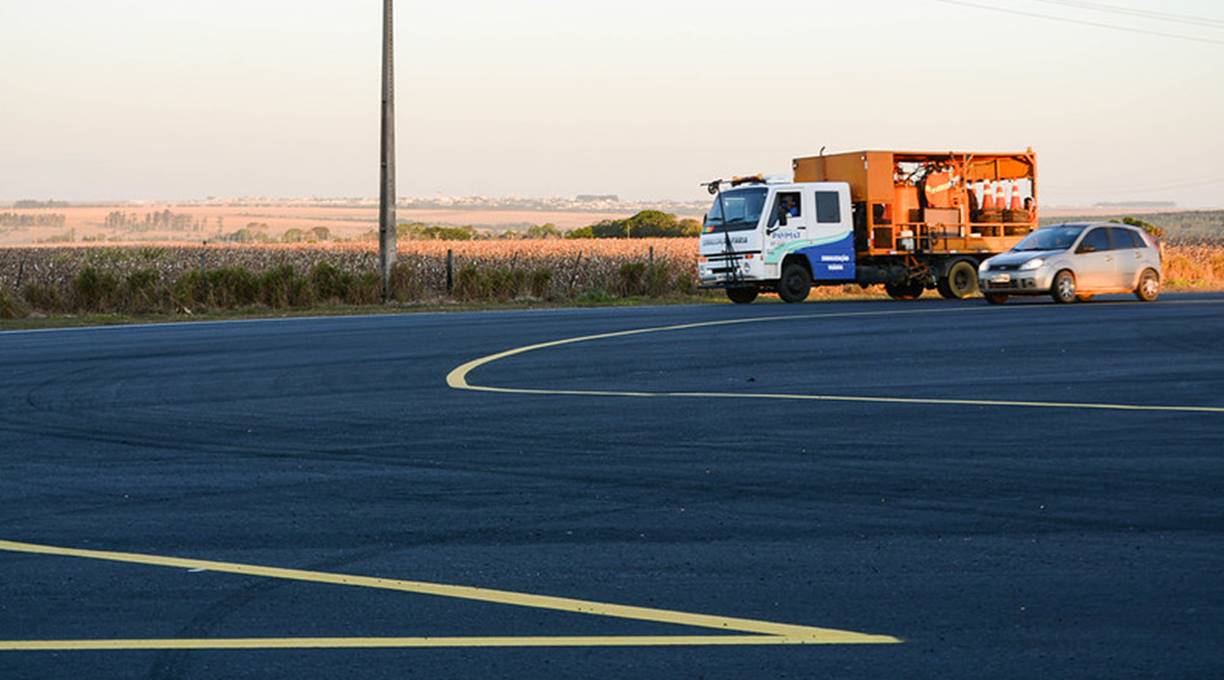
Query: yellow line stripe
[424,642]
[458,378]
[808,633]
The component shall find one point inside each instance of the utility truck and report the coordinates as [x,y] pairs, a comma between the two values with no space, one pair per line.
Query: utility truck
[911,221]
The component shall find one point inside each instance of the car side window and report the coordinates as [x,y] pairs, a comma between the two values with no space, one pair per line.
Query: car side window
[828,207]
[1125,239]
[1096,241]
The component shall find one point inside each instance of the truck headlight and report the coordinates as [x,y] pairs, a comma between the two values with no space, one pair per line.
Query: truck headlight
[1032,264]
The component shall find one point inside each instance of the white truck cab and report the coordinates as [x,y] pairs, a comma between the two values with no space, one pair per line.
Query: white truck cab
[777,236]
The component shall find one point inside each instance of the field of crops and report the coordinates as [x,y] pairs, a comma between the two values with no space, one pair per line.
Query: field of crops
[177,278]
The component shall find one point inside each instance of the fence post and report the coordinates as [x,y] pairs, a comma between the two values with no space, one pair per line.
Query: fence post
[20,274]
[201,262]
[577,270]
[450,271]
[652,256]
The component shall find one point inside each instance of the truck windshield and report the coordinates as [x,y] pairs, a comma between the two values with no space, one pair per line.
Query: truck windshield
[744,208]
[1050,238]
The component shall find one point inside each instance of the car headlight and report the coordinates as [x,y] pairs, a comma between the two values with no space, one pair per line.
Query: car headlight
[984,267]
[1032,264]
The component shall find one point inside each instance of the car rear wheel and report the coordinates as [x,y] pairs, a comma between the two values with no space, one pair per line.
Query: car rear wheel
[996,298]
[743,295]
[1149,286]
[910,290]
[796,283]
[961,281]
[1063,290]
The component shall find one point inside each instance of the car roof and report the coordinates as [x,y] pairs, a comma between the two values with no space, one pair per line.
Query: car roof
[1085,225]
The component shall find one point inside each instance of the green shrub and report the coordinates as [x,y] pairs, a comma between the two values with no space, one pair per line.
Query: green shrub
[282,287]
[190,290]
[142,291]
[94,290]
[593,296]
[225,288]
[501,283]
[634,279]
[43,297]
[470,284]
[232,287]
[406,285]
[12,306]
[538,281]
[365,289]
[330,283]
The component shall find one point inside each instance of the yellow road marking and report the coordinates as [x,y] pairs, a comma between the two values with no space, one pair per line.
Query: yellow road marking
[765,632]
[458,378]
[425,642]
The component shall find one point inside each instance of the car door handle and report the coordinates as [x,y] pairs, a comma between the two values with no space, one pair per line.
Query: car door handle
[1109,258]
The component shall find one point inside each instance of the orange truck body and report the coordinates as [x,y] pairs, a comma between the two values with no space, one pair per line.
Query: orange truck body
[937,203]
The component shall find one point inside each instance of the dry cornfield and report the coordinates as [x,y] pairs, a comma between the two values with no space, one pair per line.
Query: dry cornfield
[575,266]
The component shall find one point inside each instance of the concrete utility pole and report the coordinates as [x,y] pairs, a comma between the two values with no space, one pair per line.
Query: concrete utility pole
[386,196]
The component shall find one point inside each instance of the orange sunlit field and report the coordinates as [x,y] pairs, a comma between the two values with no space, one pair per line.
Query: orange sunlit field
[208,222]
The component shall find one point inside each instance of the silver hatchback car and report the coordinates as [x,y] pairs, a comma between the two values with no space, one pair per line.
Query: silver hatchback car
[1075,262]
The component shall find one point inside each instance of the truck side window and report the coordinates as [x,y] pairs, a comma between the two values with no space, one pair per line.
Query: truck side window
[787,203]
[828,206]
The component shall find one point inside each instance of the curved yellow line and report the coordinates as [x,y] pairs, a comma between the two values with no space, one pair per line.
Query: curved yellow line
[458,378]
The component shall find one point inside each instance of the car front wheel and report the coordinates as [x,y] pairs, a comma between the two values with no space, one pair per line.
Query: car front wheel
[1063,291]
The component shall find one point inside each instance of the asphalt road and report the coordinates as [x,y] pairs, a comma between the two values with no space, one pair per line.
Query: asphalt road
[1044,540]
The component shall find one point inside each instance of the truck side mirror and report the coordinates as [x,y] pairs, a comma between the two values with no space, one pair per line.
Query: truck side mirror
[782,216]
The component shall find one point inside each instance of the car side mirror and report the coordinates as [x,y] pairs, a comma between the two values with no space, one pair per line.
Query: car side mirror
[1086,248]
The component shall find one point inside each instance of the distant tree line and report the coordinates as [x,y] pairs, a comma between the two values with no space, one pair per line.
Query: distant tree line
[28,204]
[646,224]
[165,219]
[9,219]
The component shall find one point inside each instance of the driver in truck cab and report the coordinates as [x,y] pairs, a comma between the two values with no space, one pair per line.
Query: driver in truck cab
[789,206]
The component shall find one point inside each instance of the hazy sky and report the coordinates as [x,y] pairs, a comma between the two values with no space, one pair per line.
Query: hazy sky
[176,99]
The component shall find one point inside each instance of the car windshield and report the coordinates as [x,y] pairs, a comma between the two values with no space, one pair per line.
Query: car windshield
[1050,238]
[744,208]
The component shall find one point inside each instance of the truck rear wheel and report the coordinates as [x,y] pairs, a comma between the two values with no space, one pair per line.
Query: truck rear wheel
[796,283]
[961,281]
[910,290]
[743,295]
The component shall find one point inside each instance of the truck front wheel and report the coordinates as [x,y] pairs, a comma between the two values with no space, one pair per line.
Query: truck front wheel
[743,295]
[795,284]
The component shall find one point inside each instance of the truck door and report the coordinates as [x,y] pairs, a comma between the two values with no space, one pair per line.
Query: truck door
[818,225]
[831,235]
